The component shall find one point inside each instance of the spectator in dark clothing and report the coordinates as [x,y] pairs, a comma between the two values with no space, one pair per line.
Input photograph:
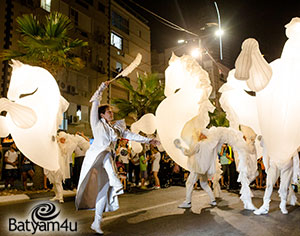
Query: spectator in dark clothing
[26,170]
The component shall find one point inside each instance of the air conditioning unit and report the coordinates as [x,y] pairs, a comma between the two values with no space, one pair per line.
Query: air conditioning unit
[75,120]
[62,86]
[72,90]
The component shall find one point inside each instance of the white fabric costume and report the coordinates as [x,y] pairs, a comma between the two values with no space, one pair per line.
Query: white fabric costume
[57,177]
[273,172]
[99,185]
[203,161]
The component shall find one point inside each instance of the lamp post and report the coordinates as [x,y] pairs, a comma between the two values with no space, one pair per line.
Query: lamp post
[220,31]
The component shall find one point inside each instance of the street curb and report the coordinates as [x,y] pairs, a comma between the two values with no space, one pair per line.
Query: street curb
[13,199]
[18,198]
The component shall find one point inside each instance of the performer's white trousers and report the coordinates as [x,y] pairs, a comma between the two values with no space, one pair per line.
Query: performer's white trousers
[273,173]
[101,199]
[192,179]
[58,189]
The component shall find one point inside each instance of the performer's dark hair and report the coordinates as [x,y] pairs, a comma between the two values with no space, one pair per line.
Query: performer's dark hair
[102,109]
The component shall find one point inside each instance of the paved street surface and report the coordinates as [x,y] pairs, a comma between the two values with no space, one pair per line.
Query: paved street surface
[155,213]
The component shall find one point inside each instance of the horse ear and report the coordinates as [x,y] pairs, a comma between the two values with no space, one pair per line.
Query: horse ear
[173,58]
[15,64]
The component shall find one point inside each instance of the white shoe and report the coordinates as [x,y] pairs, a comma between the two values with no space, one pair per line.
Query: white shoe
[283,209]
[61,200]
[53,199]
[96,226]
[261,211]
[213,203]
[185,205]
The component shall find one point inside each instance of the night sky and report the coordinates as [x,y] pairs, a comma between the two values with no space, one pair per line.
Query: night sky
[263,20]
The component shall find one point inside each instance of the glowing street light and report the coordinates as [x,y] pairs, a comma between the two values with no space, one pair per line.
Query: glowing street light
[180,41]
[219,32]
[196,52]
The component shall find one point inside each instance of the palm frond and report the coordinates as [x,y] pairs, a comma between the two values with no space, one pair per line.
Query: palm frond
[144,99]
[46,44]
[29,26]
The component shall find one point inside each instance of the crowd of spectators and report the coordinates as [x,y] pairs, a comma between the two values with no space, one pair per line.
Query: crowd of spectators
[150,169]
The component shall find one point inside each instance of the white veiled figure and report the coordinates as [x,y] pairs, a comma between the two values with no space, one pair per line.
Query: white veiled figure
[33,111]
[183,113]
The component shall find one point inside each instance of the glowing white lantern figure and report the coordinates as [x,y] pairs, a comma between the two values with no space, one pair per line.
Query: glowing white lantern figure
[178,112]
[34,89]
[183,113]
[147,125]
[277,105]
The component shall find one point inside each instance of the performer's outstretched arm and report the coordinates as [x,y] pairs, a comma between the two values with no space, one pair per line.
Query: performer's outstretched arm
[95,100]
[186,151]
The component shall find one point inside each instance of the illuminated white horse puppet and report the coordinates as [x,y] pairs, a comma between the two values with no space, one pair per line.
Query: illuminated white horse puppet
[273,112]
[34,111]
[183,115]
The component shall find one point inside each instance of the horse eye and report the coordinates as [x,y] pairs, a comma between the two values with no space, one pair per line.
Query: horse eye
[28,94]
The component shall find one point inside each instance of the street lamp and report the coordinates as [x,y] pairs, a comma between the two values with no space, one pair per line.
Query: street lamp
[196,52]
[180,41]
[219,32]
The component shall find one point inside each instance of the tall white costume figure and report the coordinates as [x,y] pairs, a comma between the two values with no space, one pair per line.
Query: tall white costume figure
[99,185]
[67,144]
[274,111]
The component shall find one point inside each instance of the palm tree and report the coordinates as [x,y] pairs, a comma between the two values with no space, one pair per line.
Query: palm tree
[144,99]
[46,44]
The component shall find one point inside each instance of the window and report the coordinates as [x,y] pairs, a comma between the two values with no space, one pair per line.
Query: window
[116,41]
[46,5]
[74,16]
[78,112]
[120,22]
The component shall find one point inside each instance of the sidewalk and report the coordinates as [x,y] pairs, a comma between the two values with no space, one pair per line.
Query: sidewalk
[17,196]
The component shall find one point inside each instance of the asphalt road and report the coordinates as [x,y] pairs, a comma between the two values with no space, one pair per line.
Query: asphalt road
[155,213]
